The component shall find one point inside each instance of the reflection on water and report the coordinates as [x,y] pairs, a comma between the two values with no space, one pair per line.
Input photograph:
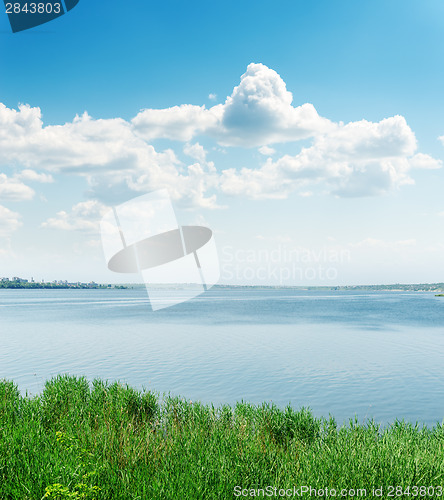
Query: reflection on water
[370,354]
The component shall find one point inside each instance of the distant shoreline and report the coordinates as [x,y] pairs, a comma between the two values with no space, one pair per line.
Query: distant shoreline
[54,286]
[437,288]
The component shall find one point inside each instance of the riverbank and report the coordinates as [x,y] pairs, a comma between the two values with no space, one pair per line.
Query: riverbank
[109,441]
[18,283]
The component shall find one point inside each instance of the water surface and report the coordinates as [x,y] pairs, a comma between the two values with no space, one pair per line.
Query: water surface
[372,354]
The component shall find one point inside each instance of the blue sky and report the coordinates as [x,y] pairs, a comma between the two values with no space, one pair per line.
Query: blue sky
[306,128]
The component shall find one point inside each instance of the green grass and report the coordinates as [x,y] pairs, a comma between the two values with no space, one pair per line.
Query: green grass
[108,441]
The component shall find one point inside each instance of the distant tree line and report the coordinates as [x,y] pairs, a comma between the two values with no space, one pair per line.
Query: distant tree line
[15,284]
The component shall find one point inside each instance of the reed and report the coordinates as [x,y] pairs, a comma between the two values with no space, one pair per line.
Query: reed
[104,440]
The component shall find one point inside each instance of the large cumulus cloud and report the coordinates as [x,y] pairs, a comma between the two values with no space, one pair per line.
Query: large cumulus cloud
[119,158]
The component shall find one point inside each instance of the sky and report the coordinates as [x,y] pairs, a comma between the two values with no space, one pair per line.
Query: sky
[308,135]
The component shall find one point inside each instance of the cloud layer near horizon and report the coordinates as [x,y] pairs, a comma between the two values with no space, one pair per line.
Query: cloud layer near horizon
[115,156]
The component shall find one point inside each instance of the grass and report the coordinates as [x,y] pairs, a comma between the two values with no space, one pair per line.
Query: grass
[108,441]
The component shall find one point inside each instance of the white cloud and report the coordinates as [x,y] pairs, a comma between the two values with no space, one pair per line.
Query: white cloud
[188,189]
[179,123]
[84,216]
[355,159]
[266,151]
[212,97]
[9,221]
[84,143]
[374,243]
[108,153]
[363,140]
[11,189]
[424,161]
[259,111]
[195,151]
[33,176]
[265,182]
